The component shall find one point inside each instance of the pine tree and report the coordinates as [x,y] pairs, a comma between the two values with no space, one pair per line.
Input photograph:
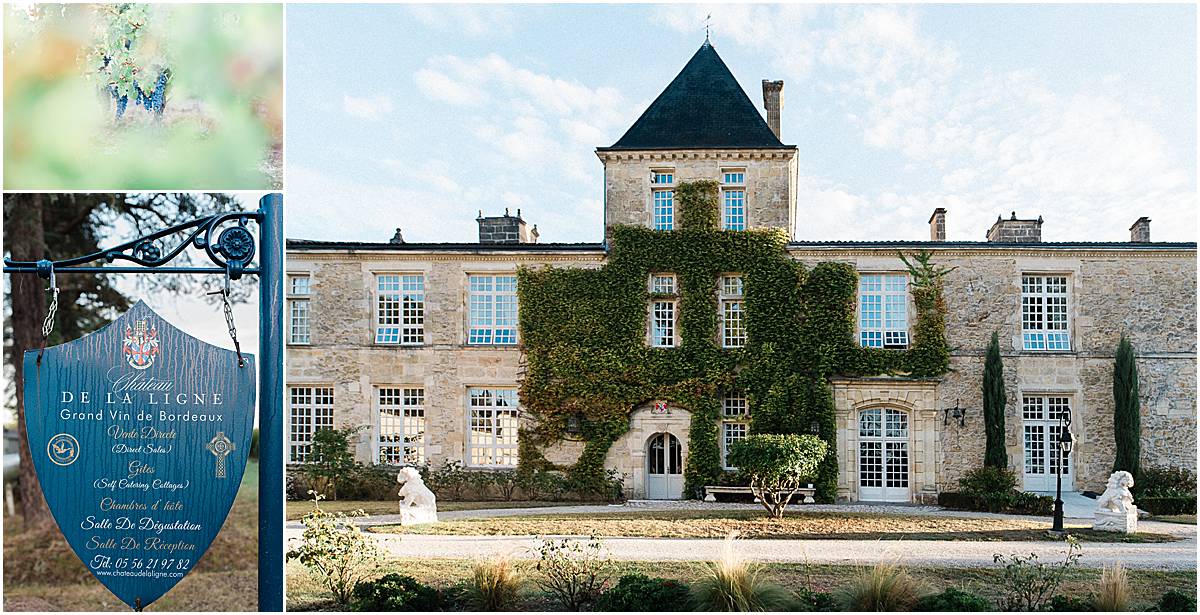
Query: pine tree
[1127,419]
[994,400]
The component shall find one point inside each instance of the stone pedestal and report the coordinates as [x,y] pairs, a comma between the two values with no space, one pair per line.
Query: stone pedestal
[416,515]
[1122,522]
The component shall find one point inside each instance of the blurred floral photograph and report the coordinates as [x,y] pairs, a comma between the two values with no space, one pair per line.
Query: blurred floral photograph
[143,96]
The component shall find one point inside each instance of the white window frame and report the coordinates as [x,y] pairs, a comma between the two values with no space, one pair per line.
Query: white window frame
[299,323]
[732,305]
[883,309]
[663,311]
[733,192]
[735,424]
[1045,313]
[492,309]
[662,199]
[400,434]
[493,440]
[310,408]
[400,309]
[1040,421]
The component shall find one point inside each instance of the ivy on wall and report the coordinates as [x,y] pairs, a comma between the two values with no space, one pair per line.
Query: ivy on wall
[588,363]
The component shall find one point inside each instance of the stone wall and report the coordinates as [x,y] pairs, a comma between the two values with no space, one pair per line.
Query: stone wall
[770,182]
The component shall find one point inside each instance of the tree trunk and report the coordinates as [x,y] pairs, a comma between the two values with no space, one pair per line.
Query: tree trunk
[25,240]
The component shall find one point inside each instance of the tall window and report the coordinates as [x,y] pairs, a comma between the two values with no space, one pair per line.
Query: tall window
[663,305]
[401,426]
[1040,428]
[663,199]
[733,312]
[735,423]
[299,331]
[1044,323]
[400,309]
[493,424]
[492,306]
[733,199]
[310,409]
[883,310]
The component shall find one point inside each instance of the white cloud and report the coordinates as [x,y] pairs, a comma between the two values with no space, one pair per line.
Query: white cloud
[372,108]
[474,21]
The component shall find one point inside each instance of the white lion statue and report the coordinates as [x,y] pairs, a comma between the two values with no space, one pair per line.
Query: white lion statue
[1116,497]
[417,502]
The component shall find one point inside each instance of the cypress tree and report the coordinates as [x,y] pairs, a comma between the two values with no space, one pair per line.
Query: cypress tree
[1127,416]
[994,400]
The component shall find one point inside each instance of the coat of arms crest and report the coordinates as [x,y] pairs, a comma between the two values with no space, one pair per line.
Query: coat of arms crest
[140,344]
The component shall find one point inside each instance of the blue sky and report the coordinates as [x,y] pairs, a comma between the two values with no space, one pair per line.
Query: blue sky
[420,116]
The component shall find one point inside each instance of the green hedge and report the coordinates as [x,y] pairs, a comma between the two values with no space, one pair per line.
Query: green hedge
[583,332]
[1015,502]
[1168,505]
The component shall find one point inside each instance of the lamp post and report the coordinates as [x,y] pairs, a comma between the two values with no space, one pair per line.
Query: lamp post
[1065,441]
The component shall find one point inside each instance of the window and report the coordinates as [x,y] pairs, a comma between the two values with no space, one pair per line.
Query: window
[662,177]
[664,210]
[299,331]
[733,314]
[400,309]
[1040,428]
[883,310]
[733,199]
[734,425]
[311,409]
[492,307]
[401,426]
[662,310]
[493,424]
[1044,313]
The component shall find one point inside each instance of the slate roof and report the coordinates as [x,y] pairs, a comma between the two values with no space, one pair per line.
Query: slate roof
[310,244]
[704,107]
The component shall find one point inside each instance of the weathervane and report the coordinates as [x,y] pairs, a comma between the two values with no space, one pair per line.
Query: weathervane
[707,23]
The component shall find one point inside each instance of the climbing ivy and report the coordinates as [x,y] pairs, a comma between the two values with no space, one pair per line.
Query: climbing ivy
[589,365]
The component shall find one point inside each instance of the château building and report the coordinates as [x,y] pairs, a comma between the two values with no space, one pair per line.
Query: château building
[421,343]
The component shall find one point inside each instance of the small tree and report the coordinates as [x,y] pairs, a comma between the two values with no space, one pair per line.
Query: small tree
[574,573]
[778,466]
[994,400]
[335,549]
[1127,411]
[330,459]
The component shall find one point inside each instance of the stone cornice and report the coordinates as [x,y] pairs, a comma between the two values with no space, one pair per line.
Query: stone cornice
[444,256]
[696,154]
[1093,251]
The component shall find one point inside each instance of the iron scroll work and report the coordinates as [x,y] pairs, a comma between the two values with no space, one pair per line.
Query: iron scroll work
[231,247]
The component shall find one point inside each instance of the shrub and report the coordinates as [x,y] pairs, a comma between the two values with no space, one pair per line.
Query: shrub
[480,482]
[330,459]
[953,599]
[638,592]
[730,584]
[1026,503]
[986,479]
[374,483]
[778,465]
[495,585]
[1169,505]
[542,485]
[1164,482]
[574,573]
[883,587]
[448,481]
[1069,604]
[335,549]
[1113,592]
[506,482]
[1127,413]
[395,592]
[816,602]
[1026,583]
[994,399]
[1175,601]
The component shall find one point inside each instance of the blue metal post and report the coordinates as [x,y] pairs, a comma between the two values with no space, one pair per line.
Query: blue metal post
[270,408]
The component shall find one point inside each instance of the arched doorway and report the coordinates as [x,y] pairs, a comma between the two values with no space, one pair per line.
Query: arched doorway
[883,455]
[664,467]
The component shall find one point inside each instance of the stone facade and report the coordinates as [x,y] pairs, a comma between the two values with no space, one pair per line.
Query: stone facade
[770,182]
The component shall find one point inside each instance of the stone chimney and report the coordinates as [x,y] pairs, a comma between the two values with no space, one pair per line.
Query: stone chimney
[505,229]
[397,238]
[1015,231]
[1140,231]
[773,103]
[937,225]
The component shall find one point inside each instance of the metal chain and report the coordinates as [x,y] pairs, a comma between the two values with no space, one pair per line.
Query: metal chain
[224,292]
[48,322]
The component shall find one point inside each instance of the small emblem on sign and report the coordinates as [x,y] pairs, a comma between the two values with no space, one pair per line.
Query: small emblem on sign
[63,449]
[660,407]
[140,345]
[220,446]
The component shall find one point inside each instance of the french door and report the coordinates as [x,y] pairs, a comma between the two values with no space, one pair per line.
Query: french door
[664,467]
[883,455]
[1040,429]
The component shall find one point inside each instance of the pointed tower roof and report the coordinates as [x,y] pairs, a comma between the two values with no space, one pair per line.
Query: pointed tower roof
[702,108]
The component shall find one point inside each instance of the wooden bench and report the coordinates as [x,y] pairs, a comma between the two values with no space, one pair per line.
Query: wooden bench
[711,491]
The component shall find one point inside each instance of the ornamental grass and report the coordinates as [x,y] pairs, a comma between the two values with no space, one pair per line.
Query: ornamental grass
[882,587]
[731,584]
[1112,593]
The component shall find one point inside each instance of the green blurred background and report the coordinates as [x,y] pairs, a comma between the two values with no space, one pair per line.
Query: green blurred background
[221,128]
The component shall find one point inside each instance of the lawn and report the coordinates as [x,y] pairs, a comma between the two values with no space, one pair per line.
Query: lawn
[304,593]
[42,573]
[299,508]
[756,524]
[1183,519]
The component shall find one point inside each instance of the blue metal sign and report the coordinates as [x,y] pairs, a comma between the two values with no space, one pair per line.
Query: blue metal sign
[140,434]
